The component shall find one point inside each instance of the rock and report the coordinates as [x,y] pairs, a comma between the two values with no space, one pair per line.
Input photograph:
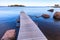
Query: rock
[56,15]
[45,16]
[51,10]
[9,35]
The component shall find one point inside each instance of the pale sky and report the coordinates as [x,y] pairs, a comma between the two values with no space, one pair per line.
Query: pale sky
[30,2]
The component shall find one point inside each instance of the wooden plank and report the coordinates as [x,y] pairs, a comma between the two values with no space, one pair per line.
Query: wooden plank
[28,29]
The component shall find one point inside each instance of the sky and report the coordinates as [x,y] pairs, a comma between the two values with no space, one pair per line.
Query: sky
[30,2]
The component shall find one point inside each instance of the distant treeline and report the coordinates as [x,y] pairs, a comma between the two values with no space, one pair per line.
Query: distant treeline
[16,5]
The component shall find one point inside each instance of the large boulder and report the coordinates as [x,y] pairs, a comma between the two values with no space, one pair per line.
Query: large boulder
[9,35]
[56,15]
[45,15]
[51,10]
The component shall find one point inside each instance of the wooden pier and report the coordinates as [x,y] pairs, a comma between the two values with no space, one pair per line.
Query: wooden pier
[28,29]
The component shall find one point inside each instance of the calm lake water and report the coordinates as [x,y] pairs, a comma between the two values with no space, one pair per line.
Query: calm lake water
[50,27]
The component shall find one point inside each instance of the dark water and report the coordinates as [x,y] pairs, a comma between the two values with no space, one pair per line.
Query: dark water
[8,19]
[50,27]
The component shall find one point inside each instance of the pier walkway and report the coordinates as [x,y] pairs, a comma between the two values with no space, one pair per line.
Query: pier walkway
[28,29]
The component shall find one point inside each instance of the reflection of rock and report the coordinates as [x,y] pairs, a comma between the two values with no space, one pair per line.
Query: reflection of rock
[9,35]
[37,16]
[51,10]
[18,25]
[18,21]
[45,16]
[57,15]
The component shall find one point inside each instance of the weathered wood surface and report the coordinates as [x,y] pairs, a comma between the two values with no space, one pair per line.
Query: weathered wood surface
[28,29]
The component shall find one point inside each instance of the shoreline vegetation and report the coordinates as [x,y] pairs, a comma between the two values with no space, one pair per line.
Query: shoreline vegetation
[56,6]
[16,5]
